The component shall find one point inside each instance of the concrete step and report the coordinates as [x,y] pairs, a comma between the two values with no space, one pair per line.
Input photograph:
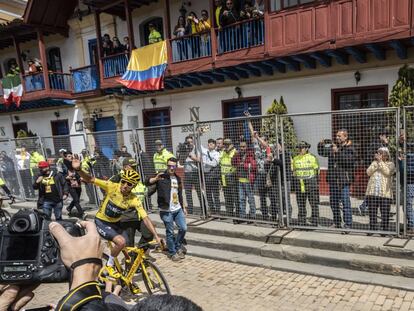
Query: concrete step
[349,243]
[303,268]
[352,261]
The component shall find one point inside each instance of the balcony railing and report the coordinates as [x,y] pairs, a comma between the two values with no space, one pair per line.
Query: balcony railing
[241,35]
[85,79]
[34,82]
[60,81]
[115,65]
[191,47]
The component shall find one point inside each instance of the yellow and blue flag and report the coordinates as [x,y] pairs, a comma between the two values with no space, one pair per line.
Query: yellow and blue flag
[146,68]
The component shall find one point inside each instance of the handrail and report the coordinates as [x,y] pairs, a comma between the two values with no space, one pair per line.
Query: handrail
[206,32]
[81,68]
[240,23]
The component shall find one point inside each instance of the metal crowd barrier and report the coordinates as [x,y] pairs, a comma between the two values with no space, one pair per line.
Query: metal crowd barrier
[261,181]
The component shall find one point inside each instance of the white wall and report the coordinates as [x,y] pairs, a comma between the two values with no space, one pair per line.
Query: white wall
[307,94]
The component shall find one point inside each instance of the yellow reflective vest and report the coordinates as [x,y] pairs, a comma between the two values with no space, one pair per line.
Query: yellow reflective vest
[2,183]
[160,160]
[305,167]
[87,164]
[35,158]
[225,164]
[140,191]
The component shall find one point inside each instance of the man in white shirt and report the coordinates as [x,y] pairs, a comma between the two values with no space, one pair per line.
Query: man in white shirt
[172,210]
[211,159]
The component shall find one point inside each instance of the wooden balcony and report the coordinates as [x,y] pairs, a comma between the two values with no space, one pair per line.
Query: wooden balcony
[288,39]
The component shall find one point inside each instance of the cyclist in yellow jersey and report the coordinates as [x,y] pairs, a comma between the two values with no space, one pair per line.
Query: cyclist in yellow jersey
[118,200]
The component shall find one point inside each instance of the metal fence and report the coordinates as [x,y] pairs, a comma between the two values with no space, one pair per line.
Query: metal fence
[346,178]
[163,142]
[405,145]
[251,170]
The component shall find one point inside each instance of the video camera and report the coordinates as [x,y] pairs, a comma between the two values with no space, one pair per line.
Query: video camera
[29,253]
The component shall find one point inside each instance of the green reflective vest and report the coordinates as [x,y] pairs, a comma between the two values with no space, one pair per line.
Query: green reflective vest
[154,37]
[161,159]
[2,183]
[87,164]
[140,191]
[225,164]
[305,167]
[35,158]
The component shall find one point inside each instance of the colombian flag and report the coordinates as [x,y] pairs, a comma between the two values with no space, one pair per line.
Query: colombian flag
[146,68]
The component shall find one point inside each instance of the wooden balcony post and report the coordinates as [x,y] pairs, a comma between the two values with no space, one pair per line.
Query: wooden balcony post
[213,34]
[130,26]
[167,29]
[99,44]
[19,61]
[43,58]
[266,25]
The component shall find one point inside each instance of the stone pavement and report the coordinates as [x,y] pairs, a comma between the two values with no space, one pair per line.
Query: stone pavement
[217,285]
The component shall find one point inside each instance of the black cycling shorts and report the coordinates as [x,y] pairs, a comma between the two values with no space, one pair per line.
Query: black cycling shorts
[108,230]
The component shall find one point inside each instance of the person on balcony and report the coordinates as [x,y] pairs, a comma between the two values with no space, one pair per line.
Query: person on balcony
[230,35]
[229,15]
[180,27]
[32,66]
[126,44]
[204,25]
[193,28]
[247,12]
[218,12]
[154,35]
[107,45]
[181,45]
[118,47]
[258,8]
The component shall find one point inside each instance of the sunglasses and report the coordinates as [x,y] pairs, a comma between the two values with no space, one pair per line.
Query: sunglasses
[172,166]
[127,182]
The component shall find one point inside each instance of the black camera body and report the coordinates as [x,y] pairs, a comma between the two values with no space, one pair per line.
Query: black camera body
[29,253]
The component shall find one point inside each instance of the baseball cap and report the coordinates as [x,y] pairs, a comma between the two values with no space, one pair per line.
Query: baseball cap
[129,161]
[227,141]
[158,142]
[42,164]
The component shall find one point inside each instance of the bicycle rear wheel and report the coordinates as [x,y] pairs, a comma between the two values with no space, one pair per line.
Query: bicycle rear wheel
[154,280]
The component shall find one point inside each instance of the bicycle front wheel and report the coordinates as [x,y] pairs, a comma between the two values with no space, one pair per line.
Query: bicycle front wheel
[154,280]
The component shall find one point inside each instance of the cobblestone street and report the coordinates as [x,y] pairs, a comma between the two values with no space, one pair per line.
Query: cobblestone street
[216,285]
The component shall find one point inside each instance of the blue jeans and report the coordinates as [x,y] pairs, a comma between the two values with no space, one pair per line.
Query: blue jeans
[409,211]
[338,195]
[174,243]
[246,190]
[48,206]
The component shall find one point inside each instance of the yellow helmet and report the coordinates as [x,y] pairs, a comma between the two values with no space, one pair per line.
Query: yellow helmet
[130,176]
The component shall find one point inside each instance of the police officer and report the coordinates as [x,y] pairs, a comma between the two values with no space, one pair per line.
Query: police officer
[228,177]
[305,168]
[161,157]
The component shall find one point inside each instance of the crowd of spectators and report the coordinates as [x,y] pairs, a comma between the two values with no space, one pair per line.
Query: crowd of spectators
[114,46]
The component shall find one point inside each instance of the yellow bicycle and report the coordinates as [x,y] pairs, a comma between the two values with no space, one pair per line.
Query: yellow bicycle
[136,268]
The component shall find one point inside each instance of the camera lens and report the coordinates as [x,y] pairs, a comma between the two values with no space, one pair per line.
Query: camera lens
[20,225]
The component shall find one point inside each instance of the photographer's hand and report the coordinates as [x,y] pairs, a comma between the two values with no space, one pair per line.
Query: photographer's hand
[73,249]
[14,297]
